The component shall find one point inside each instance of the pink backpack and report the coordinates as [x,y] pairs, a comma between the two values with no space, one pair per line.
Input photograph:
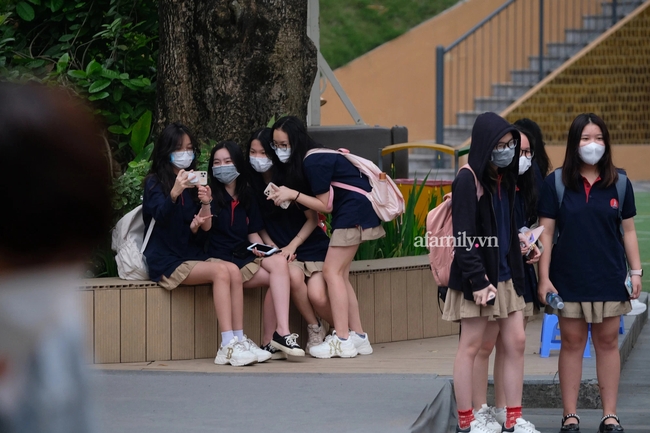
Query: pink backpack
[440,236]
[385,197]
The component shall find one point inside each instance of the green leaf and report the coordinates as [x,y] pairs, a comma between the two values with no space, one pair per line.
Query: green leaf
[117,94]
[62,64]
[116,129]
[98,96]
[98,86]
[25,11]
[77,74]
[35,64]
[146,81]
[138,82]
[110,74]
[140,132]
[124,76]
[36,2]
[66,38]
[93,67]
[127,83]
[55,5]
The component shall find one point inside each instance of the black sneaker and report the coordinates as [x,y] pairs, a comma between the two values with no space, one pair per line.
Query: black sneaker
[275,353]
[287,344]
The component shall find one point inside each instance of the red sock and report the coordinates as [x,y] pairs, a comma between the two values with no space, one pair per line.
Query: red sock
[465,417]
[512,413]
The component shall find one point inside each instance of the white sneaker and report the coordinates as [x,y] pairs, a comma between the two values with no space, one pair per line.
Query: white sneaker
[474,427]
[261,354]
[315,335]
[362,344]
[521,426]
[234,353]
[332,347]
[485,415]
[638,307]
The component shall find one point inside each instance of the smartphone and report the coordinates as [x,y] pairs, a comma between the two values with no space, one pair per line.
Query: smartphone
[269,189]
[198,178]
[267,250]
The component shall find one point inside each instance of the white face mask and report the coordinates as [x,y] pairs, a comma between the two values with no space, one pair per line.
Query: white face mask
[524,164]
[182,160]
[283,154]
[591,153]
[261,165]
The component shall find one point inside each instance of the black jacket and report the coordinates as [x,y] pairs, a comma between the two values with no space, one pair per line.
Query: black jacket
[469,268]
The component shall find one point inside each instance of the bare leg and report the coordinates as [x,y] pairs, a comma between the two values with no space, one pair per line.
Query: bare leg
[236,296]
[481,365]
[514,343]
[468,346]
[318,296]
[608,362]
[269,323]
[299,295]
[274,273]
[498,375]
[574,337]
[216,273]
[354,318]
[335,268]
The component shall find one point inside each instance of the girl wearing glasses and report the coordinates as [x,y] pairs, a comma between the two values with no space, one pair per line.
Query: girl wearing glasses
[296,231]
[487,278]
[235,225]
[353,221]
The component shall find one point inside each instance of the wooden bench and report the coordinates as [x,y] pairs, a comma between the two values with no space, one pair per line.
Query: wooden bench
[138,321]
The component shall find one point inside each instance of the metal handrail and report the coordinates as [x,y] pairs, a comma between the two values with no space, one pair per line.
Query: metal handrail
[456,152]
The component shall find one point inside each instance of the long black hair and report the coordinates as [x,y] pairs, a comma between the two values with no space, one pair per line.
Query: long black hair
[539,147]
[170,141]
[300,142]
[242,189]
[527,184]
[573,162]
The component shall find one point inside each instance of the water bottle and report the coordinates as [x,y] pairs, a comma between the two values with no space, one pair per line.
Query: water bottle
[554,301]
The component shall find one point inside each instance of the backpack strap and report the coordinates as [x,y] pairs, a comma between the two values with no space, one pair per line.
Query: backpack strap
[349,187]
[147,236]
[479,187]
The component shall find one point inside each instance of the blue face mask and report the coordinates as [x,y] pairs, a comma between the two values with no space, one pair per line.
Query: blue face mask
[225,173]
[502,159]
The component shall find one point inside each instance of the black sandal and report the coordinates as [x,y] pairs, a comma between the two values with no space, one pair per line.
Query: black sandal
[573,427]
[610,427]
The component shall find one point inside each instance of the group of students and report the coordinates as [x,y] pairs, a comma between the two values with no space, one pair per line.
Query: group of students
[494,290]
[201,233]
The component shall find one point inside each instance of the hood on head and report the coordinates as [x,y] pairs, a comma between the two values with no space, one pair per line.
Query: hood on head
[487,131]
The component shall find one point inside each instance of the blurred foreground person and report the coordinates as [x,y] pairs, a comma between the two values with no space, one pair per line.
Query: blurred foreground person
[56,208]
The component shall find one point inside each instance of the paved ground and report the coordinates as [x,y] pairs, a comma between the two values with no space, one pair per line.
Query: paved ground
[384,392]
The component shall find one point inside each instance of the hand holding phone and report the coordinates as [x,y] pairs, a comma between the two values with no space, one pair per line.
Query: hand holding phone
[198,177]
[270,188]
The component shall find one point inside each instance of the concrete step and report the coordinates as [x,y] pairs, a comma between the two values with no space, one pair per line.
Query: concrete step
[492,103]
[623,7]
[576,36]
[467,118]
[548,63]
[525,76]
[563,49]
[597,22]
[510,90]
[455,134]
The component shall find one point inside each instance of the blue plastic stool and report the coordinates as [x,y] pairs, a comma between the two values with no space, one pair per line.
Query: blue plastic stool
[550,339]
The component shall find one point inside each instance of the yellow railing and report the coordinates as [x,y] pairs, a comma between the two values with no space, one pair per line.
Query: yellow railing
[456,152]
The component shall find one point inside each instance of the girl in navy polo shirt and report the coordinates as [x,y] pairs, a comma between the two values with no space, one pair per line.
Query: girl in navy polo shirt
[295,230]
[353,221]
[587,266]
[236,222]
[174,252]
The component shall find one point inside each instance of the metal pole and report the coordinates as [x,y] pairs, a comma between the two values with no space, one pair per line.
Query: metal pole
[440,94]
[313,31]
[614,15]
[541,40]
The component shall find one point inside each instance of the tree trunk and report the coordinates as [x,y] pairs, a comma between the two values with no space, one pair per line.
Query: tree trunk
[226,67]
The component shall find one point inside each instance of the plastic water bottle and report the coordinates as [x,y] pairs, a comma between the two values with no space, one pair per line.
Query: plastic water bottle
[554,301]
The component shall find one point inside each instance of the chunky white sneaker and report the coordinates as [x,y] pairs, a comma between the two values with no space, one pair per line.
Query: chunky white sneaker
[638,307]
[261,354]
[362,344]
[333,347]
[234,353]
[474,427]
[315,335]
[485,415]
[521,426]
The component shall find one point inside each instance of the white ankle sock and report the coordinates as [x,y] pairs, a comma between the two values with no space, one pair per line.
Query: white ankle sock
[226,337]
[239,333]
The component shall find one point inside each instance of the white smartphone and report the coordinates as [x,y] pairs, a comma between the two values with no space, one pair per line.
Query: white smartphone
[269,189]
[267,250]
[198,178]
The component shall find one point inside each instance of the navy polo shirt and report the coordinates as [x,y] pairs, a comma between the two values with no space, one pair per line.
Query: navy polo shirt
[282,225]
[171,242]
[350,209]
[588,261]
[501,204]
[231,226]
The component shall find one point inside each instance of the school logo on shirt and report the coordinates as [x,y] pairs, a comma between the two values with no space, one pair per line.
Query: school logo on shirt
[613,203]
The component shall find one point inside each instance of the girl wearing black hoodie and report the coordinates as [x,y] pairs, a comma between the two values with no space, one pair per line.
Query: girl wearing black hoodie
[487,277]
